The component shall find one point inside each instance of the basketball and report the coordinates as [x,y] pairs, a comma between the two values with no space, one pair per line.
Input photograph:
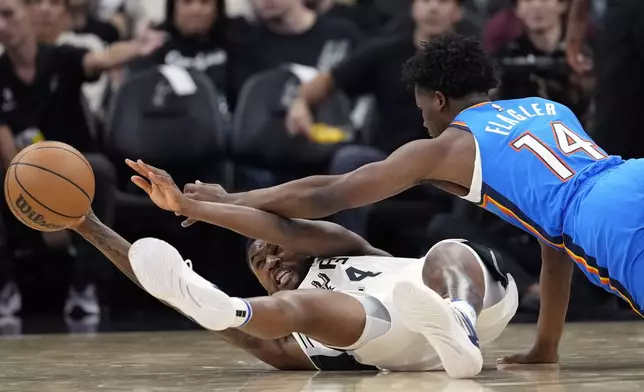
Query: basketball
[49,186]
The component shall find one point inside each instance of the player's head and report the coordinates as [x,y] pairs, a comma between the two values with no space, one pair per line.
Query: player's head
[276,268]
[447,73]
[15,23]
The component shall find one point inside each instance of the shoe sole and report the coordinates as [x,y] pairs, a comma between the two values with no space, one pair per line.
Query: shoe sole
[427,313]
[159,266]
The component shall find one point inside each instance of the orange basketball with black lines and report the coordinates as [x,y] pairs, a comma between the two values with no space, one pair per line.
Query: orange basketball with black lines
[49,186]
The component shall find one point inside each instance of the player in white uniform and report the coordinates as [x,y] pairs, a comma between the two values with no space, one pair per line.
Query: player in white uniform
[387,342]
[355,306]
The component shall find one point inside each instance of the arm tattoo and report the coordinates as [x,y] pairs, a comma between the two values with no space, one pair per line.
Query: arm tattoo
[112,245]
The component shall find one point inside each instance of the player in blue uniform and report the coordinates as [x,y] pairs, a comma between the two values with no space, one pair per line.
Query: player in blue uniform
[529,161]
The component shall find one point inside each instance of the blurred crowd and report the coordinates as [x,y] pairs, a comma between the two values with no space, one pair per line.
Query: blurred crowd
[252,93]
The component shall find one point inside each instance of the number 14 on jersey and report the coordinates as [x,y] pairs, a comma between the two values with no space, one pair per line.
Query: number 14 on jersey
[568,143]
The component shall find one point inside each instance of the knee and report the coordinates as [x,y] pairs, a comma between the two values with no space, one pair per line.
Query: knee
[447,254]
[289,303]
[350,158]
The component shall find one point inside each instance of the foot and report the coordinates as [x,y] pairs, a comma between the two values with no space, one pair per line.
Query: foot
[10,299]
[163,273]
[82,302]
[447,329]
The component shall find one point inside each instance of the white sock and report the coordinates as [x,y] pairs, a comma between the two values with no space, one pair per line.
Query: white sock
[465,308]
[243,312]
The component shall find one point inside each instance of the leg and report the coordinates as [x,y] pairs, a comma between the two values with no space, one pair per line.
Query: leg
[445,306]
[346,160]
[452,271]
[314,313]
[162,272]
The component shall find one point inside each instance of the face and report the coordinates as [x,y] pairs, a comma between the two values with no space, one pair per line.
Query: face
[433,106]
[79,5]
[433,17]
[14,23]
[268,10]
[540,15]
[276,268]
[195,17]
[48,17]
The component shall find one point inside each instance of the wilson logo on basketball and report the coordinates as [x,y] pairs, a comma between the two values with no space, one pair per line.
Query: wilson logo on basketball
[28,211]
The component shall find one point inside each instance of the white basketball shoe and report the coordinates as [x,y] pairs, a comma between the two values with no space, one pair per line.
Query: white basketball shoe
[163,273]
[447,329]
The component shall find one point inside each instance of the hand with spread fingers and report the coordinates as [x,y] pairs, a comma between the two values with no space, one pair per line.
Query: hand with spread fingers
[159,185]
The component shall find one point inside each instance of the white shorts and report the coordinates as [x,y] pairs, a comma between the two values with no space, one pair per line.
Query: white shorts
[387,343]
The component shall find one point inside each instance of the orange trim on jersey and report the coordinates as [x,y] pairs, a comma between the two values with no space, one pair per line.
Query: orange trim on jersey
[509,212]
[461,123]
[477,105]
[578,259]
[605,281]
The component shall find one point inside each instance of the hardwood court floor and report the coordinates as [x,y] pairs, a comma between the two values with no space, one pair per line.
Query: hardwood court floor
[595,357]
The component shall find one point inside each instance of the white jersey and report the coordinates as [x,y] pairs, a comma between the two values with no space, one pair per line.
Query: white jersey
[361,273]
[400,348]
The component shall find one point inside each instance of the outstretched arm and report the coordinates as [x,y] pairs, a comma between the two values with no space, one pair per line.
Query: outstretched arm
[320,196]
[120,53]
[282,353]
[315,238]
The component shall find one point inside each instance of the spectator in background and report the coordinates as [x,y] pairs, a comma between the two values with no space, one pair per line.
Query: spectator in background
[40,96]
[535,63]
[288,32]
[620,72]
[402,22]
[51,17]
[130,17]
[83,22]
[375,70]
[364,13]
[53,22]
[196,40]
[501,28]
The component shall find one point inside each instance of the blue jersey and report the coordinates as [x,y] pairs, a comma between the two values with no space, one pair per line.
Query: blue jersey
[532,157]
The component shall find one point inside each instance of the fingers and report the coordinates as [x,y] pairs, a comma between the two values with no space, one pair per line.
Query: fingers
[146,171]
[194,187]
[161,180]
[151,169]
[188,222]
[142,183]
[137,168]
[189,188]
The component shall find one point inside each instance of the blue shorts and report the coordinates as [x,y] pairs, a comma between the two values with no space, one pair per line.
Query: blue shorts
[604,231]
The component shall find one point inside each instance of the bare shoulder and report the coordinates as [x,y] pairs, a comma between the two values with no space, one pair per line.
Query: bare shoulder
[450,141]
